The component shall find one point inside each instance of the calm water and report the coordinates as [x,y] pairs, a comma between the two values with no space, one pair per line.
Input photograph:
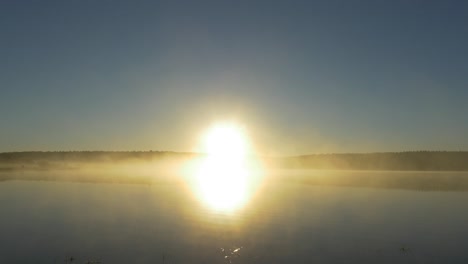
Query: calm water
[283,222]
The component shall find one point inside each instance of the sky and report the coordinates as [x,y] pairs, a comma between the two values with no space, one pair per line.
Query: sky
[300,76]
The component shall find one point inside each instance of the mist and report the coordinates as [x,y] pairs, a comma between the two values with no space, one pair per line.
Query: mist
[424,171]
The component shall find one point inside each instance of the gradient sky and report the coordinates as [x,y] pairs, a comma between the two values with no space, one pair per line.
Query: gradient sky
[302,76]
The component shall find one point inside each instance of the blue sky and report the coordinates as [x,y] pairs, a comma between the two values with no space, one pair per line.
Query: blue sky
[302,76]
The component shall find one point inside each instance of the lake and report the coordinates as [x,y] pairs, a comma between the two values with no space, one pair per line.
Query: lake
[284,220]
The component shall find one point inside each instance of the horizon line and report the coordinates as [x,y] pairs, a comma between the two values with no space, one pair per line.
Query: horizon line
[192,152]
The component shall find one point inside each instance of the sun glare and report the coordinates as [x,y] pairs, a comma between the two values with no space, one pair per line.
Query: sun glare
[224,178]
[225,140]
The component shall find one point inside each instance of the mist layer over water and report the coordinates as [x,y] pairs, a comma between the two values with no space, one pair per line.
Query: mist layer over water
[284,221]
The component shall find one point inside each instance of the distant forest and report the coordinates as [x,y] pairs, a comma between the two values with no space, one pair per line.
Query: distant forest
[48,160]
[87,156]
[394,161]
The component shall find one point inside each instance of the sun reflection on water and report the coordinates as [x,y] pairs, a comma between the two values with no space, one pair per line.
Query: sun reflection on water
[225,179]
[222,184]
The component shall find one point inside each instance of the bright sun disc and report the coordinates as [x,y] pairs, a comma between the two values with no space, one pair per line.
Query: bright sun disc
[225,140]
[223,179]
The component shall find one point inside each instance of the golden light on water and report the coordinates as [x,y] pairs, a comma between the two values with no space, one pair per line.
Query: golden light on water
[221,185]
[225,178]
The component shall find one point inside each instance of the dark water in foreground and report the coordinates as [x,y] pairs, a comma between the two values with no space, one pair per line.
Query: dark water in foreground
[283,222]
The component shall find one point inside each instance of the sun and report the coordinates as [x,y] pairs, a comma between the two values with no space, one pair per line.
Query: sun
[225,140]
[223,178]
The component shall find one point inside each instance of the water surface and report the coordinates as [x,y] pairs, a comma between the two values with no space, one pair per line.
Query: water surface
[284,221]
